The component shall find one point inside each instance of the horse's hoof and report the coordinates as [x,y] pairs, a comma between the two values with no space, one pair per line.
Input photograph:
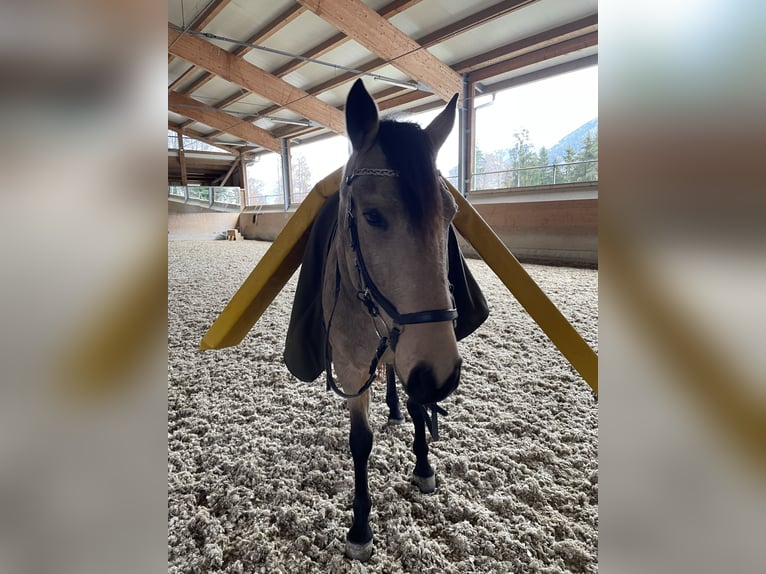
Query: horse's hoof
[426,484]
[395,422]
[361,552]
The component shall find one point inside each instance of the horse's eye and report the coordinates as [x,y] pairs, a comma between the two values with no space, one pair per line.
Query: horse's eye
[375,219]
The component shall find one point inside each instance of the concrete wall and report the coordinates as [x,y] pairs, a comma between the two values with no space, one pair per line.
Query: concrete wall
[188,221]
[548,224]
[263,225]
[555,232]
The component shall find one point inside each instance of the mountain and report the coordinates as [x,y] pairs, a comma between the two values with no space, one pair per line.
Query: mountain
[573,140]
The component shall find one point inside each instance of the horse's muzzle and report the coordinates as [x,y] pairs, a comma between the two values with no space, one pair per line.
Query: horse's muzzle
[423,388]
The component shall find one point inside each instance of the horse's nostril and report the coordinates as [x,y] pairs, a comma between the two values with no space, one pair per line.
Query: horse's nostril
[422,385]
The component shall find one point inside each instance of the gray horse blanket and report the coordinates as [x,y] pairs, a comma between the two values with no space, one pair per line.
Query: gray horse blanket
[306,338]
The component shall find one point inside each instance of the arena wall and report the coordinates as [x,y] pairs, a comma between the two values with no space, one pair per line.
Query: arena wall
[190,221]
[547,224]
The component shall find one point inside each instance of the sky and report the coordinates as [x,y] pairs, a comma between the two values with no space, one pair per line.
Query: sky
[549,109]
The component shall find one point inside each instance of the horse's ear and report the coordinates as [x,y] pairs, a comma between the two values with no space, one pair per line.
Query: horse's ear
[441,126]
[361,117]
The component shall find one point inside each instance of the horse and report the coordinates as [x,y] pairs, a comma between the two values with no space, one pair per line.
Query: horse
[386,296]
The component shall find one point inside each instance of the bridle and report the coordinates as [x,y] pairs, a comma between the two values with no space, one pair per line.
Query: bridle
[370,294]
[373,299]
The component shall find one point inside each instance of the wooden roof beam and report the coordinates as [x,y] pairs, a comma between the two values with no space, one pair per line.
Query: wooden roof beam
[539,55]
[182,78]
[525,59]
[208,14]
[203,138]
[546,38]
[391,9]
[436,37]
[388,11]
[570,31]
[199,112]
[246,75]
[361,23]
[578,64]
[263,33]
[205,17]
[473,20]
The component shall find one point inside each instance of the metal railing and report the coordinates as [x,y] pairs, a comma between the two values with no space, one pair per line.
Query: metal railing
[255,199]
[573,172]
[212,195]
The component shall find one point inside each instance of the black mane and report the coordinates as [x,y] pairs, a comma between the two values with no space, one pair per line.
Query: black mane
[408,150]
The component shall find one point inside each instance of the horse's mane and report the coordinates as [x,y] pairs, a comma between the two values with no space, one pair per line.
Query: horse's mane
[408,150]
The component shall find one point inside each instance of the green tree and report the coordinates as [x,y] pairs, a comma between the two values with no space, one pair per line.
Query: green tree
[544,176]
[302,182]
[568,172]
[589,153]
[526,157]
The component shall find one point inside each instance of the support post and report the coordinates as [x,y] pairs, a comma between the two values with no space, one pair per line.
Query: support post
[182,158]
[465,138]
[244,189]
[287,180]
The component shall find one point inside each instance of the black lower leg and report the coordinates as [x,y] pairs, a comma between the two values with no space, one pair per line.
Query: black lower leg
[360,440]
[392,398]
[420,446]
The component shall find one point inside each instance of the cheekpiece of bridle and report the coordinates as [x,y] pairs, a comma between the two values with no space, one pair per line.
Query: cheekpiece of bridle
[374,300]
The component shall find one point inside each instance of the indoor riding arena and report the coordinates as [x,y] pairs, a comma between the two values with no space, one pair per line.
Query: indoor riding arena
[260,471]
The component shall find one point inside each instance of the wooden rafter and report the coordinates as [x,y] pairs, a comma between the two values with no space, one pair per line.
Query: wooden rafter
[206,16]
[539,55]
[263,34]
[471,21]
[578,64]
[541,40]
[361,23]
[389,10]
[182,78]
[518,54]
[198,111]
[187,131]
[393,98]
[440,35]
[251,77]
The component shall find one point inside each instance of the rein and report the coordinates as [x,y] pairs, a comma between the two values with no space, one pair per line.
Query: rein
[373,299]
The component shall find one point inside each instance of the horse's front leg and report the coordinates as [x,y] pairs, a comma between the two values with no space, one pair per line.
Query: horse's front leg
[395,416]
[423,476]
[359,537]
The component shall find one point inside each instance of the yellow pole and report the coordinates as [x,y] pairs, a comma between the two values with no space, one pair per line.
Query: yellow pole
[271,273]
[495,254]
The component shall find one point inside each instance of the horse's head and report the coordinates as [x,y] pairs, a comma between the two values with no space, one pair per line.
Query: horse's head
[397,216]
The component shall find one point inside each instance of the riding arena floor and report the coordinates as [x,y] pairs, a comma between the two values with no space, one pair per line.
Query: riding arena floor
[260,476]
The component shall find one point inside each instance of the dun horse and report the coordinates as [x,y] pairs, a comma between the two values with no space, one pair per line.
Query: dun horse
[386,295]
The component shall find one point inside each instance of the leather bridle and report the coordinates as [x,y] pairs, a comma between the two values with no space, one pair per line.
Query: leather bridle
[374,300]
[369,292]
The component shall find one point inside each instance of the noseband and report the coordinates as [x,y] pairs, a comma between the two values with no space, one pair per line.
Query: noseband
[373,299]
